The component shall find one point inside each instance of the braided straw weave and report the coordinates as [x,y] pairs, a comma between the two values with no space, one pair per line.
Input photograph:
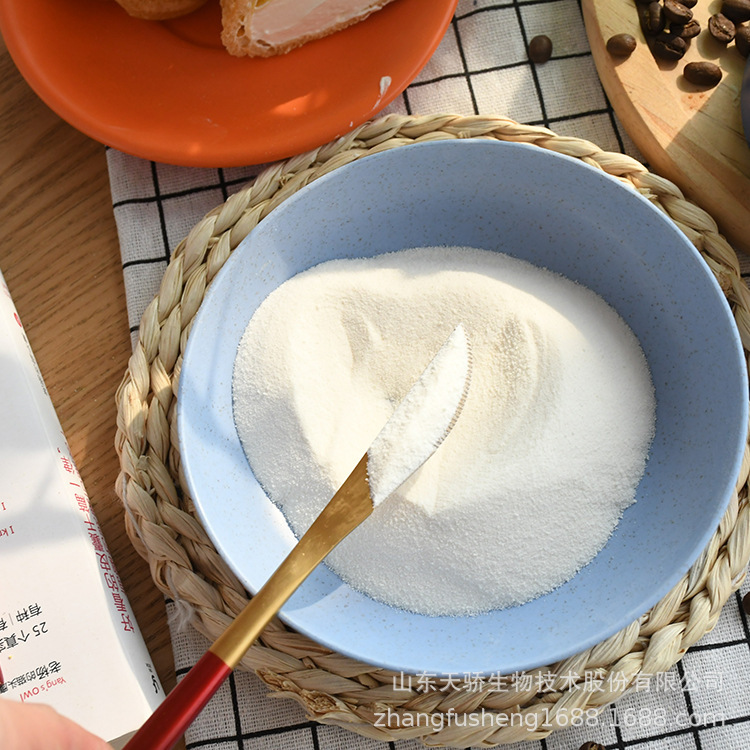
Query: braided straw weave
[334,689]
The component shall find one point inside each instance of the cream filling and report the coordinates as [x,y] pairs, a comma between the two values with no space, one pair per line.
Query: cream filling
[279,21]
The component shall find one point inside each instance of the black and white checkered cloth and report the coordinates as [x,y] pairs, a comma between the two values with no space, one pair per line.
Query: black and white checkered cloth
[481,67]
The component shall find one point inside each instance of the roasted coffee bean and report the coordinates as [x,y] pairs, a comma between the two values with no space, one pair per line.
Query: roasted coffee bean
[676,12]
[689,31]
[742,40]
[689,3]
[652,19]
[736,10]
[591,746]
[621,45]
[540,49]
[702,73]
[721,28]
[746,603]
[669,47]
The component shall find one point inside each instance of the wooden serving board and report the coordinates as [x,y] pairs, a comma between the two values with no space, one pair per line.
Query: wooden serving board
[690,135]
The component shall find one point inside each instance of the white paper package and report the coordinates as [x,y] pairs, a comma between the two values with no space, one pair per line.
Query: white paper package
[68,636]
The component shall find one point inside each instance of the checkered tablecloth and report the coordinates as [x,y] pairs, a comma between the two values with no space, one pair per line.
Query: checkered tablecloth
[481,67]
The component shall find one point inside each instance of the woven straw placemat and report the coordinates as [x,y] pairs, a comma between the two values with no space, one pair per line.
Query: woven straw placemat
[334,689]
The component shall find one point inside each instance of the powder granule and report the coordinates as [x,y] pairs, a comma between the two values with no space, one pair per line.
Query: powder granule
[532,480]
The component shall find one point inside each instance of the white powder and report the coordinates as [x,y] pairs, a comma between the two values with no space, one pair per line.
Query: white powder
[533,478]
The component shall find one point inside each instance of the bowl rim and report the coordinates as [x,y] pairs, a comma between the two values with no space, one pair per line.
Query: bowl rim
[335,176]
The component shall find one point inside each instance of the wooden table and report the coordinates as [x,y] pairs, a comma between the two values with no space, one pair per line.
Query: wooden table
[60,256]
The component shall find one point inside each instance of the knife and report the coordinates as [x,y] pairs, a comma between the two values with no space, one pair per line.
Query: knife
[418,425]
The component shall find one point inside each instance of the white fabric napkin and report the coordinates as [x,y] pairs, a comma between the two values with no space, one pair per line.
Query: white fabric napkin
[481,67]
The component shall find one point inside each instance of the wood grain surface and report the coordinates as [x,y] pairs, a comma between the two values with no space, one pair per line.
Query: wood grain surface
[59,254]
[691,135]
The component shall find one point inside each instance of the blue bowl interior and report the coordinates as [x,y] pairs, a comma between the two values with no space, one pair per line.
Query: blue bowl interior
[553,211]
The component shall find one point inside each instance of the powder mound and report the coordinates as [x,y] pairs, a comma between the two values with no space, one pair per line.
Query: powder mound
[533,478]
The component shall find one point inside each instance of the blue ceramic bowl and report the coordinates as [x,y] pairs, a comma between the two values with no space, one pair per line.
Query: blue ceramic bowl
[548,209]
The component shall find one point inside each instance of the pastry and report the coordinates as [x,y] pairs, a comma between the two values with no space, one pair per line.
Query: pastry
[158,10]
[263,28]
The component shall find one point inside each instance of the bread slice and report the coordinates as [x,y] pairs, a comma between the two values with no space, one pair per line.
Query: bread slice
[160,10]
[263,28]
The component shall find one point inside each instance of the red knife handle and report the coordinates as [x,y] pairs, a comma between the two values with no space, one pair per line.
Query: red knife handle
[178,710]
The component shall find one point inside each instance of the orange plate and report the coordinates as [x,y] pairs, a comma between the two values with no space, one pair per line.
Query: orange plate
[170,92]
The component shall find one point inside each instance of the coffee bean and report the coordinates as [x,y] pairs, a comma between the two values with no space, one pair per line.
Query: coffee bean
[736,10]
[721,28]
[746,603]
[742,40]
[702,73]
[591,746]
[652,19]
[621,45]
[687,31]
[540,49]
[669,47]
[689,3]
[676,12]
